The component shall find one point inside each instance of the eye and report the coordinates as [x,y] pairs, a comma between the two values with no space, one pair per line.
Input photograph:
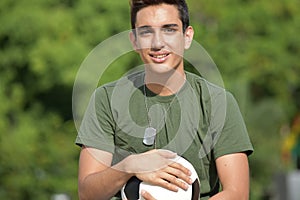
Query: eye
[169,30]
[145,32]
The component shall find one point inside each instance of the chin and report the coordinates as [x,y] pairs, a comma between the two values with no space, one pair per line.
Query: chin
[160,68]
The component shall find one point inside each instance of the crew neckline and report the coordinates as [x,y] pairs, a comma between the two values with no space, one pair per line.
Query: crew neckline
[164,99]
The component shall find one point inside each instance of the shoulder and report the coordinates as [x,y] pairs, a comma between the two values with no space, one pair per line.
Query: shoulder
[213,98]
[207,90]
[123,85]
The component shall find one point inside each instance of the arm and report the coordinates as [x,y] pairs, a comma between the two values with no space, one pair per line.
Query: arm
[233,171]
[97,179]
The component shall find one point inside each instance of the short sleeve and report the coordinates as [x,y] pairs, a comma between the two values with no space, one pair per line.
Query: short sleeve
[234,136]
[97,126]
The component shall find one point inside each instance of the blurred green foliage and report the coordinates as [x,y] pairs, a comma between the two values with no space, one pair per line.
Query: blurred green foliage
[43,42]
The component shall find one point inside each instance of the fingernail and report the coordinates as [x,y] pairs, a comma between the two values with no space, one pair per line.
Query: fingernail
[177,189]
[186,187]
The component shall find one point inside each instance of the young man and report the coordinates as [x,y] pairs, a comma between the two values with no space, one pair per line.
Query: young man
[133,126]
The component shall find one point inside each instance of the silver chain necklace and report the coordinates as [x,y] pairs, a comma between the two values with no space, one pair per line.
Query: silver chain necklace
[150,131]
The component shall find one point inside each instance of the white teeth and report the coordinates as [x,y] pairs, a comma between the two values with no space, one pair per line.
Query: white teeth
[160,56]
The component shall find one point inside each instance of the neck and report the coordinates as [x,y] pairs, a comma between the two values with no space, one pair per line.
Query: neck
[165,84]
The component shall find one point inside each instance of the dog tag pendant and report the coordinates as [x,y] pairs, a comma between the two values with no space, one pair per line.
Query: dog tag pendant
[149,136]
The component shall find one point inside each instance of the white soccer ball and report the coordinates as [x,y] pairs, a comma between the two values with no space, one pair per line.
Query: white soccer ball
[132,189]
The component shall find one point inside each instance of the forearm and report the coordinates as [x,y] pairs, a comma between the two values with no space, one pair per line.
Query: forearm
[97,180]
[230,195]
[102,185]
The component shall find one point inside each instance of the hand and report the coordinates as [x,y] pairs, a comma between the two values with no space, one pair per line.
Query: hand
[171,177]
[149,161]
[147,196]
[156,167]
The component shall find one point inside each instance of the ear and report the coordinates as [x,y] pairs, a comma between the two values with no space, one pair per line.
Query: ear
[133,41]
[189,35]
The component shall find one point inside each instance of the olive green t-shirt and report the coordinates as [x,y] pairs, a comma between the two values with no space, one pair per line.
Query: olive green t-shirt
[201,122]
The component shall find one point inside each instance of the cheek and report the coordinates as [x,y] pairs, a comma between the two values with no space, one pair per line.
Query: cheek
[143,55]
[144,43]
[177,48]
[176,43]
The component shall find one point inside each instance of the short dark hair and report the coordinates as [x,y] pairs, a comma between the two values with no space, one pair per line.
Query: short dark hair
[181,5]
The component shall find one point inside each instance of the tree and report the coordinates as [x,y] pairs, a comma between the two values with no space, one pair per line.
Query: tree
[43,42]
[42,46]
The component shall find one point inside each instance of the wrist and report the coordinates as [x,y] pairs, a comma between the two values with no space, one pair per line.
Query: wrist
[126,166]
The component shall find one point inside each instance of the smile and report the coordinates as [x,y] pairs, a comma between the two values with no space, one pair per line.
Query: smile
[159,57]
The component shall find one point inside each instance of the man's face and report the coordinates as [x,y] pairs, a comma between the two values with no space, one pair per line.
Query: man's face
[159,39]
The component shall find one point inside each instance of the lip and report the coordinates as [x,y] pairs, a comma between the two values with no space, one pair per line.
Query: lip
[159,57]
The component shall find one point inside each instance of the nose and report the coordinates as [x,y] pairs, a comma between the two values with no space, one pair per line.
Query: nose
[157,41]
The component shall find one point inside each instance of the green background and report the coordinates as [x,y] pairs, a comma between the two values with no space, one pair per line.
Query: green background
[255,44]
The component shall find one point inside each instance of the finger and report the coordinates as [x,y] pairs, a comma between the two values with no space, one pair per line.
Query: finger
[146,195]
[161,180]
[181,168]
[179,174]
[174,182]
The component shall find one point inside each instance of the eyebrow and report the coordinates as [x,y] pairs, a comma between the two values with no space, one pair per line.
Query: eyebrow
[170,26]
[164,26]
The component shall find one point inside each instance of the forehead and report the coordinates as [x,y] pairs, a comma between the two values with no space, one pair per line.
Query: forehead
[158,15]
